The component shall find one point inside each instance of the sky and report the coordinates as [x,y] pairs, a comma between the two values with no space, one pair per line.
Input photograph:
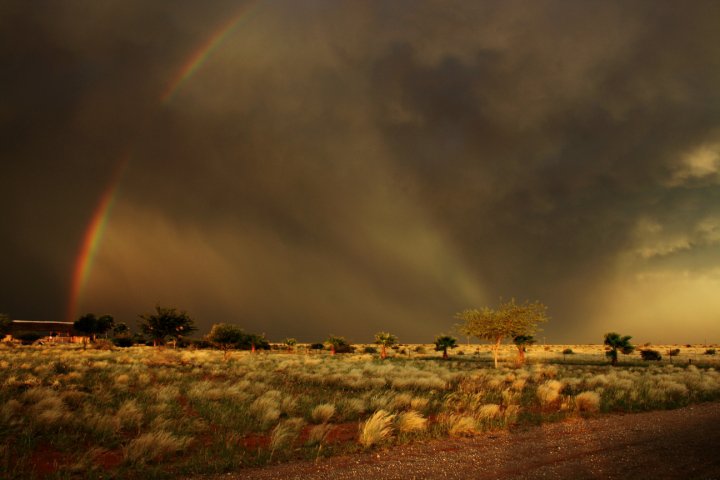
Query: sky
[344,167]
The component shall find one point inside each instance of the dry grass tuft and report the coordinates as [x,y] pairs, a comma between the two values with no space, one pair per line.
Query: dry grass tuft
[459,425]
[411,421]
[587,402]
[153,446]
[322,413]
[376,428]
[318,433]
[549,392]
[285,433]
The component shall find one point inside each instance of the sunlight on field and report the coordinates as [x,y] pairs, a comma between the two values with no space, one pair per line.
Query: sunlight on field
[169,412]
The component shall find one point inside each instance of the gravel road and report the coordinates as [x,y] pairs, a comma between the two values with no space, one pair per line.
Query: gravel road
[675,444]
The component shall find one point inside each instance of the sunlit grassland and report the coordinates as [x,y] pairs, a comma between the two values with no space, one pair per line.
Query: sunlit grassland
[143,412]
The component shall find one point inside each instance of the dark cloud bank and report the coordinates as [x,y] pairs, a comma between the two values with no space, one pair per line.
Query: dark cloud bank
[348,167]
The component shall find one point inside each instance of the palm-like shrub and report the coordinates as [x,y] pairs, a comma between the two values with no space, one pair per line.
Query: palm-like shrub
[443,342]
[614,342]
[338,344]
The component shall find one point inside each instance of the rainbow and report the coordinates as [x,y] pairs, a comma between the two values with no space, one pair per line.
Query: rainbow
[91,239]
[202,53]
[96,227]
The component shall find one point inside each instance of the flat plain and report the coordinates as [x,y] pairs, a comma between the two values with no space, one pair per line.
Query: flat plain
[144,412]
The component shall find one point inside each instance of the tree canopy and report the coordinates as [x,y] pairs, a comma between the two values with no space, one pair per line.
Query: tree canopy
[166,323]
[92,326]
[443,342]
[614,342]
[509,319]
[385,339]
[5,323]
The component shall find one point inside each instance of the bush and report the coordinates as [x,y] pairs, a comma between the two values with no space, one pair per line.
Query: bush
[420,350]
[123,342]
[674,352]
[650,355]
[316,346]
[568,351]
[28,338]
[710,351]
[369,350]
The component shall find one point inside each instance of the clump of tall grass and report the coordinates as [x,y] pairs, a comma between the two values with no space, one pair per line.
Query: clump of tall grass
[376,429]
[322,413]
[458,425]
[285,433]
[411,421]
[153,446]
[587,402]
[549,393]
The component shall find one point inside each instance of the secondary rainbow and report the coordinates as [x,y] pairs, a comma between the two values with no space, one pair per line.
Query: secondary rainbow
[202,53]
[91,239]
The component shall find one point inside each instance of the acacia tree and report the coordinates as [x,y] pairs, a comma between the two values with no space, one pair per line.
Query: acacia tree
[225,336]
[443,342]
[614,342]
[522,342]
[385,339]
[509,319]
[166,322]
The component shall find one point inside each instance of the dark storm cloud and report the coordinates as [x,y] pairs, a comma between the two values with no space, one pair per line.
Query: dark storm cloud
[352,166]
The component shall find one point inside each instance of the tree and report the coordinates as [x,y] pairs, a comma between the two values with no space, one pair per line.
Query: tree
[522,342]
[166,322]
[385,339]
[510,319]
[443,342]
[290,343]
[614,342]
[93,326]
[225,336]
[121,330]
[5,324]
[105,323]
[337,344]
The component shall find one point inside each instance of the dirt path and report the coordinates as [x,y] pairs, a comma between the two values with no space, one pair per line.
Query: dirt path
[676,444]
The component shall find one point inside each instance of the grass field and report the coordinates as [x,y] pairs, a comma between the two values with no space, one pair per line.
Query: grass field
[143,412]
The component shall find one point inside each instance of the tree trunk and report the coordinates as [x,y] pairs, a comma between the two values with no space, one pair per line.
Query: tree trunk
[252,348]
[496,349]
[521,355]
[383,352]
[445,355]
[332,349]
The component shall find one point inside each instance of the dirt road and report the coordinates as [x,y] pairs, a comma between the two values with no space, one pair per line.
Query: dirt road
[676,444]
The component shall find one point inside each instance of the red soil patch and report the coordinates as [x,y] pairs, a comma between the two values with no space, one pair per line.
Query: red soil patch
[255,441]
[46,460]
[343,432]
[109,460]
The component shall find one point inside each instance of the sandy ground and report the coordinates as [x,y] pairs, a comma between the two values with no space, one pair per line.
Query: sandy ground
[676,444]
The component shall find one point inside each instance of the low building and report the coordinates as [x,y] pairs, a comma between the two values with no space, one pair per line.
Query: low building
[50,331]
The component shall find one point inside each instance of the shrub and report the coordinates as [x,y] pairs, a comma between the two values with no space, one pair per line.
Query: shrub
[650,355]
[376,429]
[369,350]
[420,350]
[123,342]
[316,346]
[28,338]
[710,351]
[568,351]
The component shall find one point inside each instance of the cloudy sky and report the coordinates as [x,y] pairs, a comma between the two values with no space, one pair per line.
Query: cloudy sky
[323,166]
